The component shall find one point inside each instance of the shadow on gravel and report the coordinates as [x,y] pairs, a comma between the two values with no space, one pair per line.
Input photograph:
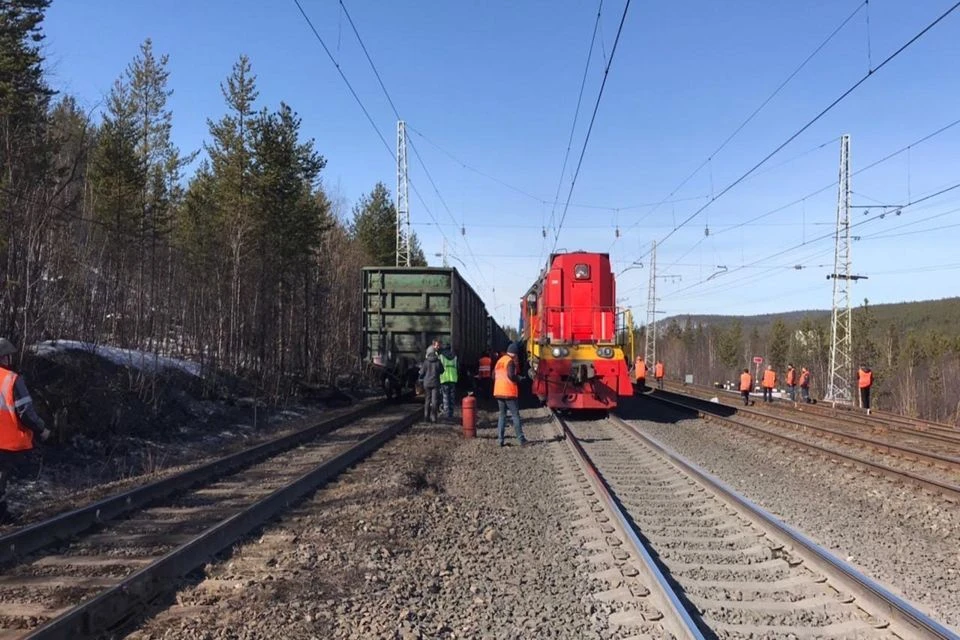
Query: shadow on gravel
[644,407]
[426,476]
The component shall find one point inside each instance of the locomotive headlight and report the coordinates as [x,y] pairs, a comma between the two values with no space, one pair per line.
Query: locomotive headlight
[605,352]
[565,351]
[557,352]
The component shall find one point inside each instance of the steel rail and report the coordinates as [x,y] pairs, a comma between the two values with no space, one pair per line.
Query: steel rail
[21,542]
[902,614]
[118,603]
[894,422]
[668,601]
[950,491]
[934,458]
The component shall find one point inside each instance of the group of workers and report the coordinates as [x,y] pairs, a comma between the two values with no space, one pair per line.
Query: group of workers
[439,375]
[769,382]
[640,372]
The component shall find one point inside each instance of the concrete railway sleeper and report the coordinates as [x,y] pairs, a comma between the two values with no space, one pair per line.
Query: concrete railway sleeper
[727,566]
[104,576]
[935,473]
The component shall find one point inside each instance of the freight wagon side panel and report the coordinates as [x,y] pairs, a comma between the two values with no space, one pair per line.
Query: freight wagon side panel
[469,319]
[404,308]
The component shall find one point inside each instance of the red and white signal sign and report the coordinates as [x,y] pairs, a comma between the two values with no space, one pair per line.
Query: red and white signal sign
[757,359]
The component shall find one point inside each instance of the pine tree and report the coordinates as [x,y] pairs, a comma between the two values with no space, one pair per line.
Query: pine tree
[117,181]
[160,160]
[729,345]
[290,225]
[374,226]
[231,158]
[24,160]
[779,344]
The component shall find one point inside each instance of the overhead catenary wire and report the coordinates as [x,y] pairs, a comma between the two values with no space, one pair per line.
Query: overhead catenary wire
[576,114]
[416,152]
[812,121]
[366,113]
[760,108]
[816,192]
[825,236]
[593,118]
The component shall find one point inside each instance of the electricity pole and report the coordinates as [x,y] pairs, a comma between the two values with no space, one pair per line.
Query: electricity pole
[839,386]
[650,341]
[403,198]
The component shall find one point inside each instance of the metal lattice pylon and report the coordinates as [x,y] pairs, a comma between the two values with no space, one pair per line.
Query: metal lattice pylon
[403,198]
[839,385]
[650,342]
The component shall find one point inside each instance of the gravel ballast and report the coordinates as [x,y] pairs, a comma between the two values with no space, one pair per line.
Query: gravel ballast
[904,537]
[432,537]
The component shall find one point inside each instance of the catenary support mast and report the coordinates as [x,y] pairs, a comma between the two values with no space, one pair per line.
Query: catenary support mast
[403,198]
[650,343]
[839,384]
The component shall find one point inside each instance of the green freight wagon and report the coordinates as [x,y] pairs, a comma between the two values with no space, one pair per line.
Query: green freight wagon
[405,308]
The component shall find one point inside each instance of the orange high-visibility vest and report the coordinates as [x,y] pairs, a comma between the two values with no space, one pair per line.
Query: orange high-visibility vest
[769,378]
[804,378]
[746,382]
[865,378]
[503,386]
[658,370]
[14,435]
[641,369]
[791,377]
[483,369]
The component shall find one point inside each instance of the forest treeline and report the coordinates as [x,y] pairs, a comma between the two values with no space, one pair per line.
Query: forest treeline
[233,254]
[913,349]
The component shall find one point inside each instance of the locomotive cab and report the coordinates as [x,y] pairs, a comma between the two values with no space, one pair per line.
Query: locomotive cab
[570,327]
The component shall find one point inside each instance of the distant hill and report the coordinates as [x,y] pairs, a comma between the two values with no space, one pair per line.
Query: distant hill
[924,316]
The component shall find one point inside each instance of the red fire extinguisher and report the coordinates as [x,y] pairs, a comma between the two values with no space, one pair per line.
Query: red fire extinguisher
[468,408]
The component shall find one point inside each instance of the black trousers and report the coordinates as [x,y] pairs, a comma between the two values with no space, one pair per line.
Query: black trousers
[865,397]
[767,394]
[9,460]
[746,397]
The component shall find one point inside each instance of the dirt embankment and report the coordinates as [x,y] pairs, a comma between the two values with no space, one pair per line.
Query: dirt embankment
[114,423]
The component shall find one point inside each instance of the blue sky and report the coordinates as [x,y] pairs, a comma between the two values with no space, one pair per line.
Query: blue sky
[494,84]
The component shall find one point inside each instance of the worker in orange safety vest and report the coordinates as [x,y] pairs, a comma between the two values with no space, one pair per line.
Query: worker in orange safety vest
[792,382]
[746,384]
[658,374]
[506,390]
[640,373]
[484,375]
[768,383]
[864,382]
[805,385]
[19,422]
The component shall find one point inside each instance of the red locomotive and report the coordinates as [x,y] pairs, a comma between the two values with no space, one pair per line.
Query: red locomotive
[570,326]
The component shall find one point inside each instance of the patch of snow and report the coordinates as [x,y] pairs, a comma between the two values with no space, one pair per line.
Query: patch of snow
[132,358]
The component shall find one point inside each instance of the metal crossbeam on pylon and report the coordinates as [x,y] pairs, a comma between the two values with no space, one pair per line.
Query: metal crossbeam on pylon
[403,198]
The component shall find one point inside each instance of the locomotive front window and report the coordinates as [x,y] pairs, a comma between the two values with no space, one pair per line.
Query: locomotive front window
[581,272]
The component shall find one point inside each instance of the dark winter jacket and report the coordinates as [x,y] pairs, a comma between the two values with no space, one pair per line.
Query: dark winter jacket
[430,371]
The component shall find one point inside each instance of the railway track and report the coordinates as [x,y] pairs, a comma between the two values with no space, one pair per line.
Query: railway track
[718,566]
[878,453]
[922,431]
[88,572]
